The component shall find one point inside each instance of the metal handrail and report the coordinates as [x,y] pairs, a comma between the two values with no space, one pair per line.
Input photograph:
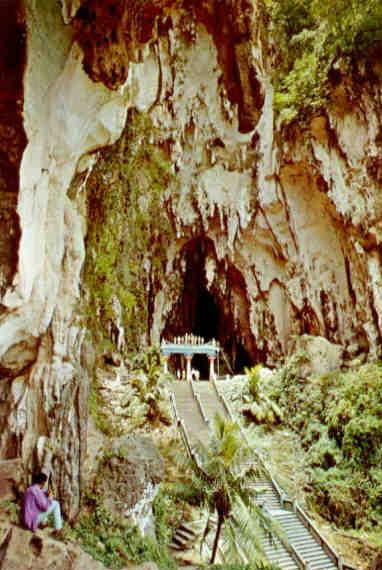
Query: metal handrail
[332,553]
[337,559]
[202,410]
[199,403]
[283,497]
[173,406]
[192,388]
[187,442]
[187,439]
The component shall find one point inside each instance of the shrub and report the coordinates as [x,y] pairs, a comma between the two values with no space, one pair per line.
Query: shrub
[115,542]
[145,398]
[312,38]
[339,419]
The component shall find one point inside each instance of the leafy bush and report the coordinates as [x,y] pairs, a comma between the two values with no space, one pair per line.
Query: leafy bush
[145,398]
[115,542]
[168,514]
[259,407]
[11,509]
[339,419]
[149,382]
[313,37]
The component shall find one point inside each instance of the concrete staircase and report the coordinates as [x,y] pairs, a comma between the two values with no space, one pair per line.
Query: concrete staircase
[303,541]
[208,397]
[189,411]
[185,536]
[300,549]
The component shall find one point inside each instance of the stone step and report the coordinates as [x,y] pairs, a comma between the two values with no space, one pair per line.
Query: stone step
[298,536]
[179,543]
[187,534]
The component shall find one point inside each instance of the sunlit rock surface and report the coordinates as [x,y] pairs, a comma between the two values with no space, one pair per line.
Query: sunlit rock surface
[277,231]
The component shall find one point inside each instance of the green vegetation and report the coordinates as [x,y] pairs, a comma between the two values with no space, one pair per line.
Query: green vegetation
[115,542]
[11,509]
[149,382]
[315,37]
[219,482]
[339,418]
[260,409]
[129,231]
[100,413]
[145,397]
[168,514]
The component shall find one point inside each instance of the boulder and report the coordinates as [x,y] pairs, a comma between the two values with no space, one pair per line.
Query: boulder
[128,477]
[322,356]
[23,550]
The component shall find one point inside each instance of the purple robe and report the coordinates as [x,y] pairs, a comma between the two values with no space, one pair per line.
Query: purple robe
[35,502]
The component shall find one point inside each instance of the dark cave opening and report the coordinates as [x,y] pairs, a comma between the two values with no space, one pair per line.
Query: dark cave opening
[243,358]
[206,325]
[203,311]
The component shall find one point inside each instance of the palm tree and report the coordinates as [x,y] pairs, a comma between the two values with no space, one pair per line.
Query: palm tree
[221,474]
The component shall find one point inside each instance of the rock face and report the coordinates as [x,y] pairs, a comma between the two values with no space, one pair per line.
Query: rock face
[23,549]
[128,479]
[12,133]
[10,476]
[321,355]
[43,390]
[275,232]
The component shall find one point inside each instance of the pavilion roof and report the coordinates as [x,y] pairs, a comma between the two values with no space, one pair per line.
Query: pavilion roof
[208,349]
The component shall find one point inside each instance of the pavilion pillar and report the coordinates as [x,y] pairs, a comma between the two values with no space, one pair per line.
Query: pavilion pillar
[211,360]
[188,366]
[165,364]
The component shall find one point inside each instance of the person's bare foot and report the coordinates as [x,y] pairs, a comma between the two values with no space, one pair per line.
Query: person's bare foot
[56,533]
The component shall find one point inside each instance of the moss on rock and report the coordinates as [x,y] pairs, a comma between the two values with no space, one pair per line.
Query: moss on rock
[128,232]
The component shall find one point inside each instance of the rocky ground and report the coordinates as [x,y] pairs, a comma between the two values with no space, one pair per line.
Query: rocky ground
[23,550]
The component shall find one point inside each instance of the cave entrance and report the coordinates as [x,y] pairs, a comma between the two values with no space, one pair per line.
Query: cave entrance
[203,311]
[206,325]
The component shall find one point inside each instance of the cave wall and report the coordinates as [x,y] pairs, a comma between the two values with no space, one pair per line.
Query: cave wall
[12,133]
[295,214]
[44,376]
[292,216]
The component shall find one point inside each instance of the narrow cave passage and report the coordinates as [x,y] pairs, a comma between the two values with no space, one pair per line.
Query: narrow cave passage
[203,311]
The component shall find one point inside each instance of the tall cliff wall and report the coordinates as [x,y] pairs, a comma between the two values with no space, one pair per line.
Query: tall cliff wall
[274,231]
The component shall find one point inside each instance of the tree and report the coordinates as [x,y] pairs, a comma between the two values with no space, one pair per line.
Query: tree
[221,474]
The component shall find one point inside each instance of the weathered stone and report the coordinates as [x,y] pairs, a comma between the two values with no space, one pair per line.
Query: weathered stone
[113,358]
[280,235]
[322,356]
[41,326]
[10,477]
[129,476]
[19,356]
[21,549]
[12,133]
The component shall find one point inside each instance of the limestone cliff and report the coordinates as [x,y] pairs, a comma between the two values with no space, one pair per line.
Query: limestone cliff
[274,232]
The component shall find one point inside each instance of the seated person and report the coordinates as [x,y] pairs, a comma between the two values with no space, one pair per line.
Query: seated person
[38,505]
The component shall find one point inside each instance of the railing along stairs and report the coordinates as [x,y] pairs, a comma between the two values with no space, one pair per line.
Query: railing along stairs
[302,545]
